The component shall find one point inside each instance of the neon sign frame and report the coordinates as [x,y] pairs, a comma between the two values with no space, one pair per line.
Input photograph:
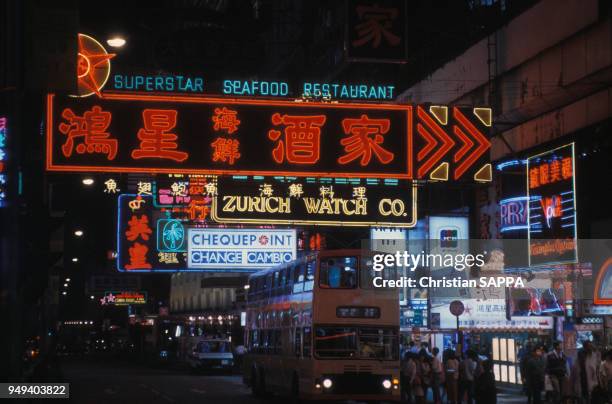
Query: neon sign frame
[406,173]
[575,221]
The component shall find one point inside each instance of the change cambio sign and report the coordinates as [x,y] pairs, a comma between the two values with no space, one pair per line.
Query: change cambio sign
[240,248]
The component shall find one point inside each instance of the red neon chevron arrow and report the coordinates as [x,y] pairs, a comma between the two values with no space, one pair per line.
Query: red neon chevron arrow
[447,142]
[483,143]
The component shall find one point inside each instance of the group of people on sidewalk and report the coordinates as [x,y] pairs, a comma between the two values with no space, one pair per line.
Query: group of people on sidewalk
[587,381]
[456,378]
[546,376]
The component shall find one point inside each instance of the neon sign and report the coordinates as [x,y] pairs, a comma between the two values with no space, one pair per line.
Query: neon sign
[551,218]
[123,298]
[339,203]
[163,134]
[158,83]
[93,66]
[3,159]
[513,214]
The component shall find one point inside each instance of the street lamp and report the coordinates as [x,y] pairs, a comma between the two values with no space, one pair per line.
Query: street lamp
[92,297]
[64,293]
[78,233]
[116,42]
[75,259]
[67,279]
[88,181]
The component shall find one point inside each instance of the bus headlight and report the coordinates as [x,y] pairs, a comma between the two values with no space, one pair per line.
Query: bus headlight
[386,384]
[327,383]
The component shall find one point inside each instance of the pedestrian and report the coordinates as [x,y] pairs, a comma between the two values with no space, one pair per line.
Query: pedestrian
[467,369]
[485,391]
[556,369]
[437,375]
[239,356]
[425,347]
[408,374]
[422,378]
[585,371]
[413,348]
[452,377]
[605,375]
[535,367]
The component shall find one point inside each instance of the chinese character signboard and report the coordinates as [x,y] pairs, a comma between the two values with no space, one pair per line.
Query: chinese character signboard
[248,249]
[147,240]
[376,30]
[305,202]
[552,207]
[167,134]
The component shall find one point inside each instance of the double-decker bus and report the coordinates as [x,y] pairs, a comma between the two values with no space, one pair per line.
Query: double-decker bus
[316,328]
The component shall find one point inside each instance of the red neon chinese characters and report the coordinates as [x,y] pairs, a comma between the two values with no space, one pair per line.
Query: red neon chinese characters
[92,128]
[377,22]
[566,168]
[534,177]
[225,150]
[138,257]
[225,119]
[197,209]
[138,228]
[302,141]
[366,138]
[155,142]
[555,171]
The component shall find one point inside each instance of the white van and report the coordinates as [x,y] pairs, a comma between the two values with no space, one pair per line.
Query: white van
[212,354]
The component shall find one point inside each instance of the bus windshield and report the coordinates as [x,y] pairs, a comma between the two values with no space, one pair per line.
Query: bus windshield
[356,342]
[367,273]
[338,273]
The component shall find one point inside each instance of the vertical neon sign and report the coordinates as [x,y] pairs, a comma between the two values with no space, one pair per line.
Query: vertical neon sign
[3,162]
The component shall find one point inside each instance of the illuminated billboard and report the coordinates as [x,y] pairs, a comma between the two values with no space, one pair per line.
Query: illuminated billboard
[552,207]
[123,298]
[240,248]
[299,201]
[196,135]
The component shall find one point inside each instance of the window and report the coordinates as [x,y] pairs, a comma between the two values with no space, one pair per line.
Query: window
[338,273]
[298,278]
[367,273]
[310,275]
[336,342]
[297,342]
[356,343]
[307,342]
[278,342]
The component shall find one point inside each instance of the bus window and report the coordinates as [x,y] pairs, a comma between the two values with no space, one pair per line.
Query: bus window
[297,342]
[338,273]
[307,342]
[335,342]
[367,273]
[278,342]
[378,343]
[310,275]
[284,281]
[298,278]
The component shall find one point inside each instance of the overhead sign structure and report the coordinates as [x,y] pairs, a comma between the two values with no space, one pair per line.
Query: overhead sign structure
[552,207]
[196,135]
[249,249]
[301,202]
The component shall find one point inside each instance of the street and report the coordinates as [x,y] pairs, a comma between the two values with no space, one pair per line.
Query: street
[103,381]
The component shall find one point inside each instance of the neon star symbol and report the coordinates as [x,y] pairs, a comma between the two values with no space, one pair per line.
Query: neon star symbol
[93,66]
